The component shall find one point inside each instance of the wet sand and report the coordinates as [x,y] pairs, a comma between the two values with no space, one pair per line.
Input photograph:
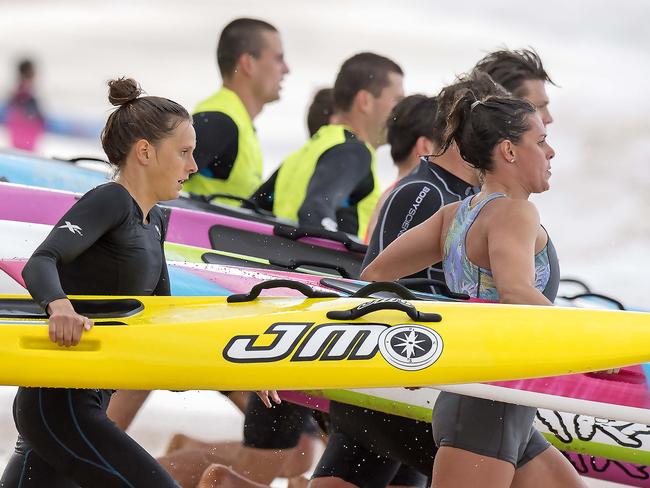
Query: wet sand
[206,415]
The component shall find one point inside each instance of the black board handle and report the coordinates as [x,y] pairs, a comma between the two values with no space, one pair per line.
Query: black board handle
[294,233]
[438,284]
[294,264]
[611,300]
[384,304]
[26,308]
[387,286]
[306,290]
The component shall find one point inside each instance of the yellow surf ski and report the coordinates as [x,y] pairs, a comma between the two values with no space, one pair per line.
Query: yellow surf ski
[293,343]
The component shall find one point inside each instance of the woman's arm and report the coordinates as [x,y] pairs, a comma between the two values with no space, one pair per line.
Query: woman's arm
[511,249]
[90,218]
[411,252]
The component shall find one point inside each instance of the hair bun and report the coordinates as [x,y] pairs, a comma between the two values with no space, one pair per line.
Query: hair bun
[123,90]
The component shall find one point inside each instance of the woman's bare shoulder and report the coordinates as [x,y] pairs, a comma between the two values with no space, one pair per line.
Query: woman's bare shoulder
[508,212]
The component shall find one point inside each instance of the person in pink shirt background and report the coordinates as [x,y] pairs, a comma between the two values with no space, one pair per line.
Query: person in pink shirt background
[24,120]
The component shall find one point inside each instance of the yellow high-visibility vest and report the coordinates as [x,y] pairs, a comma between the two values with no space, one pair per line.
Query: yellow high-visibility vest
[246,174]
[297,170]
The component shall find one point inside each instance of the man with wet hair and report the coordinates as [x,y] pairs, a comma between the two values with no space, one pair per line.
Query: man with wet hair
[251,61]
[331,181]
[522,73]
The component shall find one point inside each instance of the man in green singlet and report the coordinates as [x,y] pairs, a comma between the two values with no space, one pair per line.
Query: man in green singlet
[331,181]
[252,65]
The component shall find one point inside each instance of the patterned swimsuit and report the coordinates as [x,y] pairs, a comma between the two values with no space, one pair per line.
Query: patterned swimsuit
[463,276]
[488,428]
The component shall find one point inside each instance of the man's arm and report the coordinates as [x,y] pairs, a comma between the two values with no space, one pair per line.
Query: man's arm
[264,195]
[217,144]
[338,172]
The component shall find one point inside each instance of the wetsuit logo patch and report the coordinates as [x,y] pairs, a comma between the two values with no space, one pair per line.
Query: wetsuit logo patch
[410,347]
[413,210]
[75,229]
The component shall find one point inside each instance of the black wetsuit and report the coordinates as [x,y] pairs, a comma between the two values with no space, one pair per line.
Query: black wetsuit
[342,178]
[415,198]
[371,449]
[215,156]
[367,447]
[100,246]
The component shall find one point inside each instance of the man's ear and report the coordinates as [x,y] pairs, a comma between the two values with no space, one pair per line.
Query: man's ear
[143,151]
[423,146]
[245,64]
[363,101]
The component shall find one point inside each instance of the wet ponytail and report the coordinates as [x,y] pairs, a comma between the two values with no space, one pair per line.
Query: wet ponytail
[137,117]
[477,125]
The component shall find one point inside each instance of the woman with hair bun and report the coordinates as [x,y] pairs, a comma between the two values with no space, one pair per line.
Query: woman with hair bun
[109,243]
[493,247]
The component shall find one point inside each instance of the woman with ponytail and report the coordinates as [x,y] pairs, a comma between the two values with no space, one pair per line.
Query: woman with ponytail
[493,247]
[109,243]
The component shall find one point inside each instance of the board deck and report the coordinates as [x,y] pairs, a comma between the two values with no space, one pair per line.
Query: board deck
[290,343]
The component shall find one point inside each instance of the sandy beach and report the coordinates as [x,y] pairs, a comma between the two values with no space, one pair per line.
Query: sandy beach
[203,414]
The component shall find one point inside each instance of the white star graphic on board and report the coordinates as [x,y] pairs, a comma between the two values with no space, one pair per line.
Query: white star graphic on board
[409,344]
[75,229]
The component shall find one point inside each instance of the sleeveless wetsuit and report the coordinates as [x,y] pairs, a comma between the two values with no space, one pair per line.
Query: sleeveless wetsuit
[489,428]
[100,246]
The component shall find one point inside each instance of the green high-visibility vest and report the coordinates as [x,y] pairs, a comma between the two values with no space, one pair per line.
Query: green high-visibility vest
[246,174]
[296,172]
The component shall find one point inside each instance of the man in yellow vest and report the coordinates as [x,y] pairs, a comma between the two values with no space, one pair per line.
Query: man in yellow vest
[252,66]
[331,182]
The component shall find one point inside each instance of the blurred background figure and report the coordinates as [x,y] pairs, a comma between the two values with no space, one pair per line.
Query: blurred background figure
[321,111]
[24,120]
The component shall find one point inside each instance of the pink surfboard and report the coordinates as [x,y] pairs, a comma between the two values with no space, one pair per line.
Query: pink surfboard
[190,227]
[201,229]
